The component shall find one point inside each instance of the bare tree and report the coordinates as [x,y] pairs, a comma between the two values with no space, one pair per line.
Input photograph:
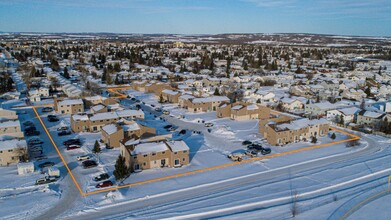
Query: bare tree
[22,153]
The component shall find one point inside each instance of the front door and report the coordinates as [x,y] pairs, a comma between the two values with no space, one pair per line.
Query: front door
[163,162]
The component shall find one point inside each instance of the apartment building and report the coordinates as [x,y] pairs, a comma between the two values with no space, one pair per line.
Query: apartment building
[170,96]
[10,151]
[8,115]
[204,104]
[285,132]
[243,111]
[11,128]
[95,122]
[113,134]
[142,156]
[69,106]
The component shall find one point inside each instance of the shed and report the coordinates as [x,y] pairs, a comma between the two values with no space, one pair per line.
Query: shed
[24,168]
[54,171]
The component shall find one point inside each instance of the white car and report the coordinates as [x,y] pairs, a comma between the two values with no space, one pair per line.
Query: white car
[209,124]
[83,157]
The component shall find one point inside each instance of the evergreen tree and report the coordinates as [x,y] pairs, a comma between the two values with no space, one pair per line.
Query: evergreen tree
[66,74]
[314,140]
[228,67]
[116,82]
[120,171]
[117,67]
[104,75]
[96,149]
[216,92]
[368,91]
[333,136]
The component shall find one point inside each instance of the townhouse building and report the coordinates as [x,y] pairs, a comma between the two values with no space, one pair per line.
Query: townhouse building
[148,155]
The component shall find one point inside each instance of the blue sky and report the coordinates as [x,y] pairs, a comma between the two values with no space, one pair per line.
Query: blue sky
[344,17]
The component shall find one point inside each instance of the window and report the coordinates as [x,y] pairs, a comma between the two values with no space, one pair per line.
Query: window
[176,162]
[145,155]
[184,159]
[134,157]
[10,150]
[175,152]
[145,164]
[1,151]
[185,151]
[153,154]
[163,152]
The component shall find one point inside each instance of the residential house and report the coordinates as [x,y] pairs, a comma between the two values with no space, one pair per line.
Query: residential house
[11,128]
[344,115]
[319,109]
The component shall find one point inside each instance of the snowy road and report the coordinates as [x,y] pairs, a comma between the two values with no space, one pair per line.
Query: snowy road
[209,191]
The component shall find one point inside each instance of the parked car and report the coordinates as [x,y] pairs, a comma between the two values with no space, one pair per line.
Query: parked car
[47,109]
[45,180]
[41,157]
[53,118]
[251,153]
[73,147]
[102,176]
[209,124]
[63,128]
[104,184]
[260,148]
[46,164]
[83,157]
[89,164]
[166,112]
[152,105]
[34,141]
[236,157]
[246,142]
[182,132]
[72,141]
[28,123]
[158,109]
[63,133]
[172,128]
[30,128]
[36,147]
[167,126]
[32,133]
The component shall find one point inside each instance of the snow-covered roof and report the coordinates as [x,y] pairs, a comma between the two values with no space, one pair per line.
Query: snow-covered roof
[71,102]
[131,127]
[12,144]
[211,99]
[170,92]
[98,107]
[146,148]
[83,117]
[349,111]
[177,146]
[252,107]
[104,116]
[8,124]
[129,113]
[110,128]
[371,114]
[301,123]
[237,107]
